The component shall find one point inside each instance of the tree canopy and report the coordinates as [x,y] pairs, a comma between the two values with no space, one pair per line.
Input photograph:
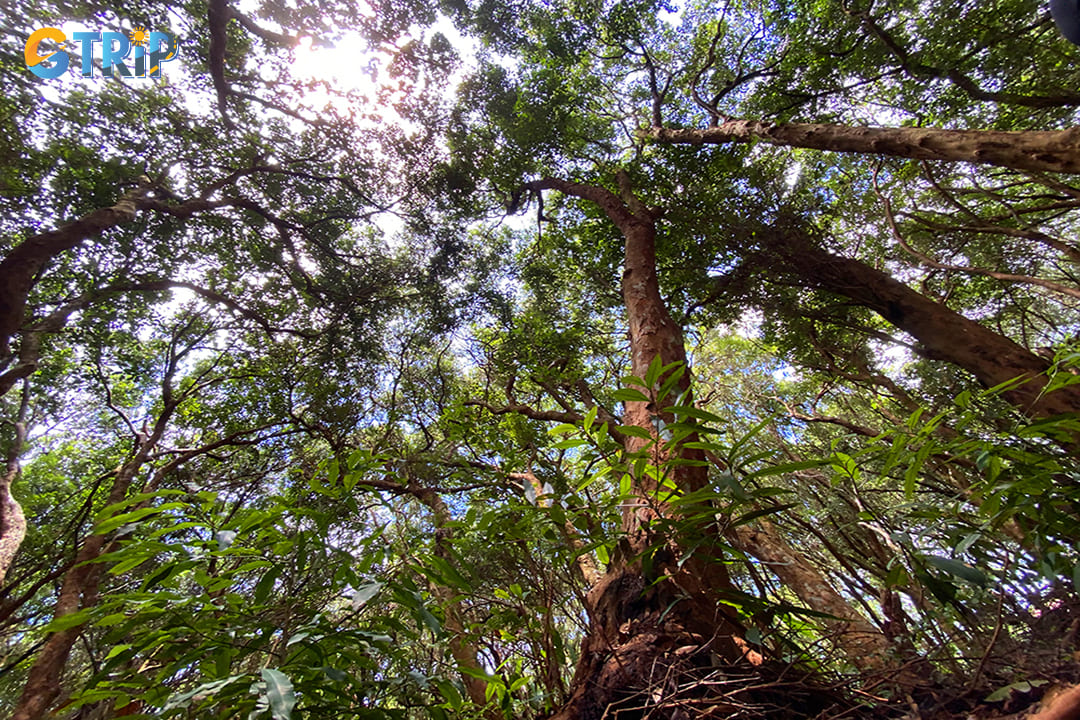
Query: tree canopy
[561,359]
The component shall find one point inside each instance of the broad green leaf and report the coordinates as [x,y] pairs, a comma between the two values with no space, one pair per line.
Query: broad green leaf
[363,594]
[959,569]
[629,395]
[116,521]
[70,620]
[279,694]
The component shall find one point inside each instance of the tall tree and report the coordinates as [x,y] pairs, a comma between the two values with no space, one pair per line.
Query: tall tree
[303,414]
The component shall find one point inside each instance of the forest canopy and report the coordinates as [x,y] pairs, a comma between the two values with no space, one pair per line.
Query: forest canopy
[568,359]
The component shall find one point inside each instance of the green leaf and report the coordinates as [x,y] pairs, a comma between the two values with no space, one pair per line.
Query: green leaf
[629,395]
[266,584]
[669,383]
[602,554]
[751,516]
[696,413]
[279,694]
[334,674]
[106,526]
[111,619]
[128,564]
[183,700]
[364,593]
[635,431]
[116,650]
[653,372]
[449,573]
[959,569]
[786,468]
[1004,693]
[450,693]
[135,499]
[70,620]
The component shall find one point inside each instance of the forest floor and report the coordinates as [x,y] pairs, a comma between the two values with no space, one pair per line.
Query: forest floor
[1053,693]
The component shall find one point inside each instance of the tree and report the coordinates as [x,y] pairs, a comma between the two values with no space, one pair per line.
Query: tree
[365,471]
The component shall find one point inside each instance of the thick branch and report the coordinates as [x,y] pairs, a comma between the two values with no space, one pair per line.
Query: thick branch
[12,519]
[19,268]
[1033,150]
[217,18]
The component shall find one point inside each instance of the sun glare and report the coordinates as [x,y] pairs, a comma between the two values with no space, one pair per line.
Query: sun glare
[344,65]
[348,67]
[352,81]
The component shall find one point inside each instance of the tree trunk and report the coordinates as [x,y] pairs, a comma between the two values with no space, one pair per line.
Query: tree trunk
[1035,150]
[12,518]
[78,591]
[942,333]
[462,650]
[649,624]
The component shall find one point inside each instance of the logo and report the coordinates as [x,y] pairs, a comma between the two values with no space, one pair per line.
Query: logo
[147,51]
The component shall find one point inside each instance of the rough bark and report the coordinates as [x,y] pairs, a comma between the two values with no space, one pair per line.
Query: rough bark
[942,333]
[1064,705]
[1035,150]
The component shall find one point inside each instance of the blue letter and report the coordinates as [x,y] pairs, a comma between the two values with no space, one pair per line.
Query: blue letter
[88,39]
[140,61]
[113,57]
[159,56]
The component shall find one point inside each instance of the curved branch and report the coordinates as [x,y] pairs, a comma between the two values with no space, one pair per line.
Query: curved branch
[20,267]
[890,218]
[919,70]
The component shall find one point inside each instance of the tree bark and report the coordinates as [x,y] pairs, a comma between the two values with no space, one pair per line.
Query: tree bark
[942,333]
[1035,150]
[12,518]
